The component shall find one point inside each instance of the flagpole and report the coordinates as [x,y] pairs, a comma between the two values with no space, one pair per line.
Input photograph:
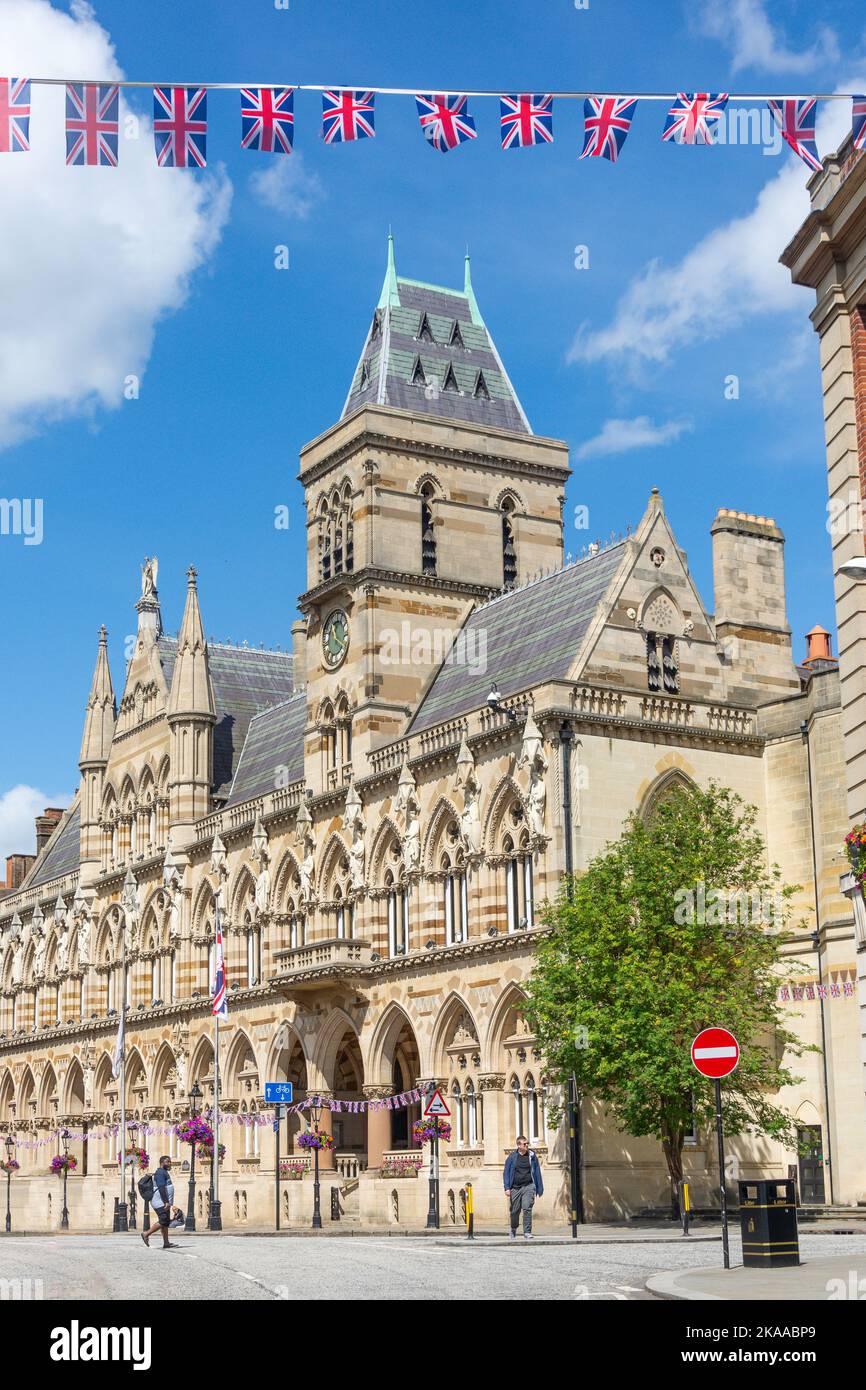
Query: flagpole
[215,1221]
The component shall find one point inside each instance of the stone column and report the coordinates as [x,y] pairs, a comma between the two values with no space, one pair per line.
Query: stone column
[378,1126]
[491,1087]
[327,1158]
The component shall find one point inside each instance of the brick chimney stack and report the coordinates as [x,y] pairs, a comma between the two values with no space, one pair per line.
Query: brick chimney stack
[45,826]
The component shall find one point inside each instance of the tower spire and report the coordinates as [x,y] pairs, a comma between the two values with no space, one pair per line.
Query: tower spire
[191,688]
[191,715]
[390,295]
[101,712]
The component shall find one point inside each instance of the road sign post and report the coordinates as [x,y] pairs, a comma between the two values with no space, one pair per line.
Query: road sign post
[716,1053]
[435,1109]
[278,1117]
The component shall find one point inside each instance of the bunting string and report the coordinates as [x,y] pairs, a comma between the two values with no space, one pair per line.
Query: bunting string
[180,119]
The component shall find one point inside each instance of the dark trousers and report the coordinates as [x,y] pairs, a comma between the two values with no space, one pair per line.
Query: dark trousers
[522,1200]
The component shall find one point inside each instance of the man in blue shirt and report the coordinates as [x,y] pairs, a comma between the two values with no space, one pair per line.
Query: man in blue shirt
[163,1196]
[522,1181]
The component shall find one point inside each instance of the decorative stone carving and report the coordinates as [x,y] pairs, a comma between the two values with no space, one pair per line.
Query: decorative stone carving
[353,820]
[533,757]
[492,1081]
[149,572]
[260,855]
[180,1048]
[408,811]
[16,940]
[469,828]
[306,840]
[37,931]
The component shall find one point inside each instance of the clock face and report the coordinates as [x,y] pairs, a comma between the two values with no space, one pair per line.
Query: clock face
[335,638]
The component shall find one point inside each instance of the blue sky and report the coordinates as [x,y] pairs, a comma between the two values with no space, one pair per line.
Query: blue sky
[240,364]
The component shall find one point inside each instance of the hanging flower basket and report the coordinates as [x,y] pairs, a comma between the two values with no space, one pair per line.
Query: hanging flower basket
[136,1156]
[9,1165]
[310,1139]
[63,1163]
[205,1151]
[423,1131]
[855,847]
[195,1131]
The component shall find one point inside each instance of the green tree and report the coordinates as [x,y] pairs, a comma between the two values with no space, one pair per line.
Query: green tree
[677,926]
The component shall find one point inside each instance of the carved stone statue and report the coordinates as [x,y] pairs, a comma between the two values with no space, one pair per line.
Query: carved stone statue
[305,837]
[308,874]
[62,950]
[353,820]
[263,890]
[261,856]
[17,959]
[149,572]
[180,1048]
[39,952]
[470,817]
[84,939]
[173,896]
[87,1070]
[408,811]
[533,757]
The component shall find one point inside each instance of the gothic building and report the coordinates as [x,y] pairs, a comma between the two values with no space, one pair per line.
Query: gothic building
[467,713]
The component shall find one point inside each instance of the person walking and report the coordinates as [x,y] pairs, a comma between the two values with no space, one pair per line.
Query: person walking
[161,1200]
[522,1181]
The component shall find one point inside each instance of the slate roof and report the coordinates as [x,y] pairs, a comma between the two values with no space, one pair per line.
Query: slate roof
[246,680]
[61,855]
[391,354]
[525,636]
[273,753]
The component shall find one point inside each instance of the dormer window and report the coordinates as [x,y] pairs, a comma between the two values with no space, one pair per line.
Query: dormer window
[419,376]
[481,392]
[456,339]
[376,328]
[425,332]
[450,382]
[365,376]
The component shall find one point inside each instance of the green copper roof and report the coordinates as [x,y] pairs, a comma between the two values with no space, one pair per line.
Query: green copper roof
[443,328]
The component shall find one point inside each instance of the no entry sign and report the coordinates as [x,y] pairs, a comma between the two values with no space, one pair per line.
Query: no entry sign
[715,1052]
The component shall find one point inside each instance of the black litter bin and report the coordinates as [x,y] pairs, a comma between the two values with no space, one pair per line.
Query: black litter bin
[768,1222]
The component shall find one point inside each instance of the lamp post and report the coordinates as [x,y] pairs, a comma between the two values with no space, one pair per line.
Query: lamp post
[64,1215]
[189,1224]
[129,907]
[10,1154]
[315,1116]
[219,867]
[132,1134]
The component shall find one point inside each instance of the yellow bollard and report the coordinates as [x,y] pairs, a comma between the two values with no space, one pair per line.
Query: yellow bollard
[470,1214]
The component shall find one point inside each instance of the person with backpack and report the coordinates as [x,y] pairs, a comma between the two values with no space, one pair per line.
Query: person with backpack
[158,1189]
[522,1181]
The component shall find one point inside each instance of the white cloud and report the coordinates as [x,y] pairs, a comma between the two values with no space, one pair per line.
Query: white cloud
[622,436]
[90,258]
[285,184]
[745,28]
[731,275]
[19,808]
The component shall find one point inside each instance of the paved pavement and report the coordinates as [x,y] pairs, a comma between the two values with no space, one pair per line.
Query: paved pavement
[365,1267]
[819,1278]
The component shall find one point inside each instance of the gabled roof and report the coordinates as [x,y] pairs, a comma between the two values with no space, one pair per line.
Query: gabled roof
[273,752]
[526,636]
[461,347]
[246,681]
[61,854]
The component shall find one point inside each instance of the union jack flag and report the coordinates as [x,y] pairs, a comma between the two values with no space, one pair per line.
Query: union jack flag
[606,123]
[694,118]
[445,121]
[180,126]
[91,124]
[267,119]
[220,1000]
[796,120]
[858,122]
[14,114]
[526,119]
[347,116]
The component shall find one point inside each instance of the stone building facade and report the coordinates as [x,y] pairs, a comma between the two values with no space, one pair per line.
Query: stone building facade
[467,712]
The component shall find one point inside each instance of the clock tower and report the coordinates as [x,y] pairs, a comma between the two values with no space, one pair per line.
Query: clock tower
[429,495]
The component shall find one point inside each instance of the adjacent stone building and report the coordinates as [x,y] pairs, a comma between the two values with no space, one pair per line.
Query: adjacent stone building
[467,712]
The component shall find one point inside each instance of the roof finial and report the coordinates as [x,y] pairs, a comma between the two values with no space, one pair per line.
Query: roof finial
[390,294]
[474,311]
[191,577]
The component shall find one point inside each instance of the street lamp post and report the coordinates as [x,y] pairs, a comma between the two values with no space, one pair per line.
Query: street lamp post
[129,907]
[132,1134]
[315,1116]
[10,1154]
[189,1224]
[64,1215]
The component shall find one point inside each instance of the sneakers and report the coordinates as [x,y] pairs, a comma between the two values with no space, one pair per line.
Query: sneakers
[513,1235]
[527,1235]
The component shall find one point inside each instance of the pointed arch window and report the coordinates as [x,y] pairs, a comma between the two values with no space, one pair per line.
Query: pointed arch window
[454,890]
[482,391]
[324,541]
[376,326]
[457,1107]
[509,547]
[450,382]
[425,332]
[456,339]
[471,1115]
[533,1132]
[519,886]
[348,528]
[398,916]
[517,1102]
[428,534]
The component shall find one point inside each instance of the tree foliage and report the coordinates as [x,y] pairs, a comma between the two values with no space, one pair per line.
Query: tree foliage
[633,968]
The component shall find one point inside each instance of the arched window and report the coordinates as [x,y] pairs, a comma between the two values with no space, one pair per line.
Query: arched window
[533,1132]
[154,971]
[471,1116]
[348,529]
[428,535]
[398,915]
[252,953]
[517,1099]
[342,735]
[173,973]
[109,982]
[509,548]
[519,887]
[457,1108]
[454,889]
[328,727]
[325,558]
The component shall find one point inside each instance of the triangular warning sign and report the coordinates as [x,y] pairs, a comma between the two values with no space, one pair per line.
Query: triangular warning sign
[436,1105]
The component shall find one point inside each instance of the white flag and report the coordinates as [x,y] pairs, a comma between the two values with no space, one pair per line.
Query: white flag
[117,1056]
